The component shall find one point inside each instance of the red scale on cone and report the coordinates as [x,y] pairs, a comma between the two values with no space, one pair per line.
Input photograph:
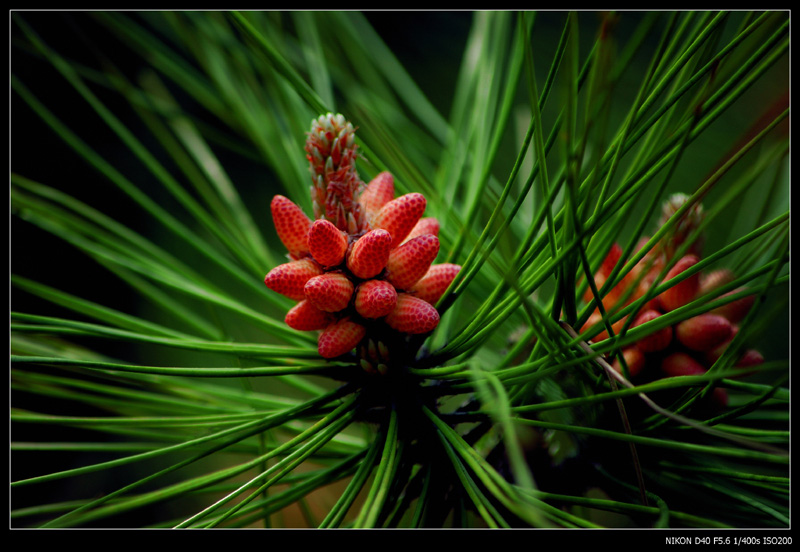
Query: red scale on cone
[364,248]
[306,317]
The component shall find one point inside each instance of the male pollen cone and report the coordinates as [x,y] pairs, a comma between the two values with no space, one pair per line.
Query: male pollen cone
[326,243]
[370,253]
[409,262]
[340,338]
[291,224]
[400,215]
[438,278]
[378,193]
[375,298]
[684,292]
[330,292]
[306,317]
[290,278]
[412,315]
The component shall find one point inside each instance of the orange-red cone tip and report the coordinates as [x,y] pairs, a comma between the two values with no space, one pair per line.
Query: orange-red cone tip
[426,225]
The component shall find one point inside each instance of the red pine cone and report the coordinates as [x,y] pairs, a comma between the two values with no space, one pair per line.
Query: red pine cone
[411,261]
[292,225]
[370,253]
[340,338]
[330,292]
[364,247]
[438,278]
[684,292]
[289,279]
[412,315]
[306,317]
[326,243]
[375,298]
[400,215]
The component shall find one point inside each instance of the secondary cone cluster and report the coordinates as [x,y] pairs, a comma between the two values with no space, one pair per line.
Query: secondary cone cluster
[365,259]
[691,346]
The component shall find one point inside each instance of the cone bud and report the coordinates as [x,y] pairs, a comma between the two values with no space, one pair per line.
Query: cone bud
[370,253]
[736,310]
[681,364]
[326,243]
[340,338]
[684,292]
[634,359]
[426,225]
[409,262]
[375,298]
[306,317]
[412,315]
[438,278]
[290,278]
[703,332]
[291,224]
[656,341]
[400,215]
[330,292]
[378,193]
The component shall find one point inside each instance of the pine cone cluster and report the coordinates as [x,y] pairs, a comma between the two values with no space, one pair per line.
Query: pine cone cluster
[691,346]
[365,259]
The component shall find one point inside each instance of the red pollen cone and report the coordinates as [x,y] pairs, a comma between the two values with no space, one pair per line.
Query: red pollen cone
[291,224]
